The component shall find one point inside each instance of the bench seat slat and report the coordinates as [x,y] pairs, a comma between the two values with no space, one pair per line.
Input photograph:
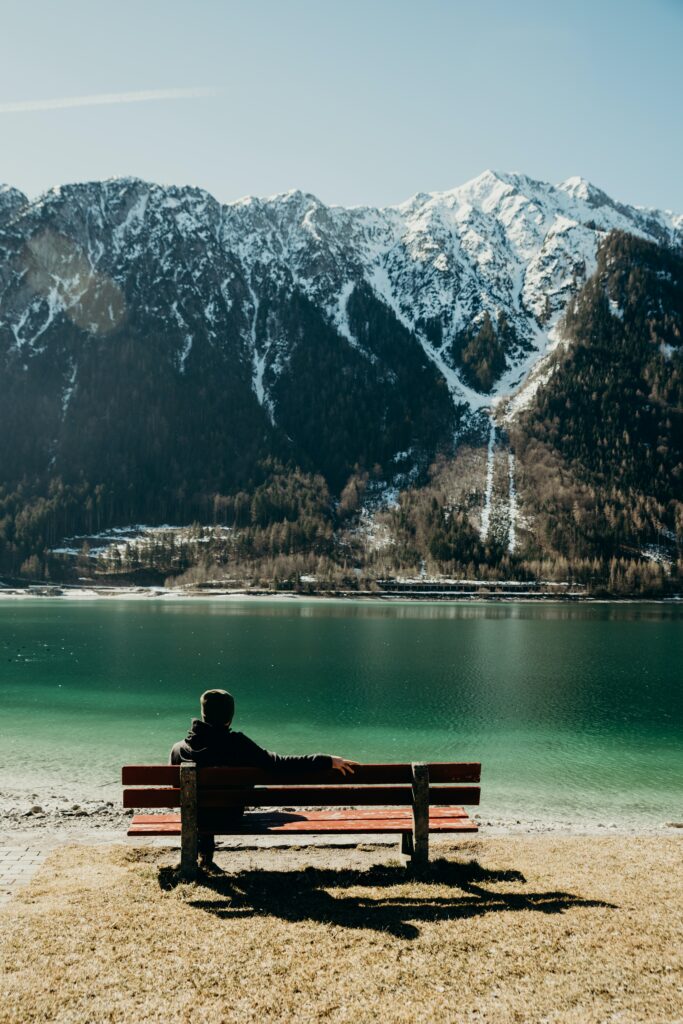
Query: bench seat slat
[388,827]
[302,796]
[365,774]
[311,823]
[372,813]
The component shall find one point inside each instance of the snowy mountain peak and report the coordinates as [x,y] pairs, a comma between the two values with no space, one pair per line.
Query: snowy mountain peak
[11,201]
[7,191]
[578,188]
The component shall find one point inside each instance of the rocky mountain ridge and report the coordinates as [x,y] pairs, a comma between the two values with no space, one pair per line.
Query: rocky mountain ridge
[278,367]
[500,246]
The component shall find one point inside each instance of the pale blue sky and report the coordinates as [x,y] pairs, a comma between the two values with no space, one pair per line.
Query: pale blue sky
[358,101]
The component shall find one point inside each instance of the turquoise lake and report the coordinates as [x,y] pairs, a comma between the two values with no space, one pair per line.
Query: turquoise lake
[575,711]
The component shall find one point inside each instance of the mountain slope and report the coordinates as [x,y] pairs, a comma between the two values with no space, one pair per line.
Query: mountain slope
[501,244]
[159,350]
[611,410]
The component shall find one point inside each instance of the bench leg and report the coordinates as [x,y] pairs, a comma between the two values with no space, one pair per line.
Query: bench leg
[406,845]
[189,830]
[420,857]
[420,854]
[188,856]
[414,859]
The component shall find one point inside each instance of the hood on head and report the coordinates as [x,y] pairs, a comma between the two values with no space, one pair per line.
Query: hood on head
[203,734]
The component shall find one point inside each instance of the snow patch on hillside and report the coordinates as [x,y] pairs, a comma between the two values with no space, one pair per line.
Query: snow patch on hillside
[512,504]
[488,491]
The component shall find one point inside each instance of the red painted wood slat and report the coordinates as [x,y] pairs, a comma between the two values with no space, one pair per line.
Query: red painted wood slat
[306,829]
[365,774]
[310,823]
[360,813]
[330,796]
[302,796]
[150,775]
[151,797]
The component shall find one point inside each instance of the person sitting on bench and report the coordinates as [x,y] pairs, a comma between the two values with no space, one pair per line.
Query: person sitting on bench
[211,743]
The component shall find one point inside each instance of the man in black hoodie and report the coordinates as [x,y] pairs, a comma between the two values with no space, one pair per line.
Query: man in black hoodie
[211,743]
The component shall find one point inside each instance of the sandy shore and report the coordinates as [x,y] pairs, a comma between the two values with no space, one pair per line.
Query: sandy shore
[513,930]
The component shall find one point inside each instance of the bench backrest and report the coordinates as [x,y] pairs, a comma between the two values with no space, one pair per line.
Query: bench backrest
[369,785]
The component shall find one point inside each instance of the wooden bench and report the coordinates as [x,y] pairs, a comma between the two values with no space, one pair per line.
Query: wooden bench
[411,800]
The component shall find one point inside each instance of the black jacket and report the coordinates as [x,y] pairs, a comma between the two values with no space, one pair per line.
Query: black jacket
[211,746]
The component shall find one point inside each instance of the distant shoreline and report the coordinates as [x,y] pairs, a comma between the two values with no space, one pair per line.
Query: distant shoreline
[139,593]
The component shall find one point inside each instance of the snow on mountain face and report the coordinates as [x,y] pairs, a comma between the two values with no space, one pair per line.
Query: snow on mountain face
[11,201]
[173,260]
[502,244]
[99,255]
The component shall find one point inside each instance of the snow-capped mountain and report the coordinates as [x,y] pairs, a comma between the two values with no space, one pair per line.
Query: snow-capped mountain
[158,341]
[505,244]
[271,364]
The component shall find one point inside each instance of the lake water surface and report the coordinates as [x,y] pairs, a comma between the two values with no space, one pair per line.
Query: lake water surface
[576,711]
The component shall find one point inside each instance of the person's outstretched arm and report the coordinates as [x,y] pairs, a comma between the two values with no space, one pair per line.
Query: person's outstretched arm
[254,756]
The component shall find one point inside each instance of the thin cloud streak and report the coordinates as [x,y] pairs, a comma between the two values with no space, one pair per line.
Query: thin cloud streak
[105,99]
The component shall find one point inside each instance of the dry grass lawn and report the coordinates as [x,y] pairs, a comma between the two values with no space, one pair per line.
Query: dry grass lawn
[511,930]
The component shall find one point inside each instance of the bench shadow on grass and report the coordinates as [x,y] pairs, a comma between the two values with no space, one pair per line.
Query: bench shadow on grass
[301,895]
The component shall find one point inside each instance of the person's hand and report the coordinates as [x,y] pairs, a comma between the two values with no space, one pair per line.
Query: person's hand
[340,764]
